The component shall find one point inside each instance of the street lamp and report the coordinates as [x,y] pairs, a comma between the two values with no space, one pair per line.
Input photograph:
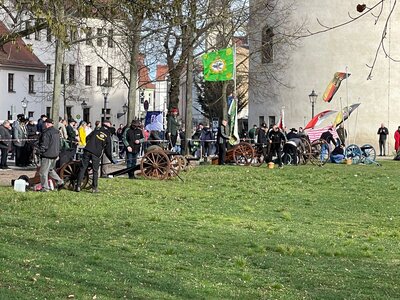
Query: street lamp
[84,104]
[125,108]
[105,90]
[313,98]
[24,104]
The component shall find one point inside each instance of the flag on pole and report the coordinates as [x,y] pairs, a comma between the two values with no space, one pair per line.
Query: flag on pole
[334,85]
[344,114]
[315,134]
[233,123]
[317,120]
[219,65]
[281,123]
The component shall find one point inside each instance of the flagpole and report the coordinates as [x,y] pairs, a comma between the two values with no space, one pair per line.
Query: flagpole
[347,102]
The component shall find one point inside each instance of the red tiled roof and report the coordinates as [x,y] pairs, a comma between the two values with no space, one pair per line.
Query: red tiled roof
[161,72]
[143,72]
[16,54]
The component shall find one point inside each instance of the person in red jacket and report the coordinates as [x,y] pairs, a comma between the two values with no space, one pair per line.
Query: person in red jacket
[397,139]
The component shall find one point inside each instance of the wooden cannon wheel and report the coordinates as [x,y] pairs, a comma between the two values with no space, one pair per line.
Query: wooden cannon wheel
[69,173]
[155,164]
[243,154]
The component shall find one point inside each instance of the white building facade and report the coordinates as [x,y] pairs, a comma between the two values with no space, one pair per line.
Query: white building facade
[309,64]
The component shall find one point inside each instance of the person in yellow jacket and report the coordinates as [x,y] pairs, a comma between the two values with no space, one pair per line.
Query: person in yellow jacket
[82,134]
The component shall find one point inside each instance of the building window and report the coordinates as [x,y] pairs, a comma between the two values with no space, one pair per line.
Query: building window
[271,120]
[71,74]
[89,36]
[11,83]
[110,76]
[99,75]
[48,35]
[73,33]
[69,112]
[48,74]
[63,74]
[87,75]
[48,110]
[110,38]
[267,50]
[261,120]
[99,39]
[31,84]
[27,26]
[30,114]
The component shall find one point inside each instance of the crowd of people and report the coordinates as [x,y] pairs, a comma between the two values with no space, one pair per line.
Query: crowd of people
[59,143]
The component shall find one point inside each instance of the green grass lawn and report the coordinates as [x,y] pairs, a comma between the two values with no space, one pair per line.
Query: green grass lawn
[225,233]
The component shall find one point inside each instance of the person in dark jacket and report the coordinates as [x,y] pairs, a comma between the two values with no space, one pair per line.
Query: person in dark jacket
[5,143]
[20,136]
[40,123]
[222,138]
[276,137]
[49,149]
[132,139]
[98,142]
[262,140]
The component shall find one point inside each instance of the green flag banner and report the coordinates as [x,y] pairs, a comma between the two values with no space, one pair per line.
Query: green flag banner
[233,123]
[218,65]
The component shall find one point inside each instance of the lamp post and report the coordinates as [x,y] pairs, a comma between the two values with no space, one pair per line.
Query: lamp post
[105,90]
[313,98]
[125,108]
[24,104]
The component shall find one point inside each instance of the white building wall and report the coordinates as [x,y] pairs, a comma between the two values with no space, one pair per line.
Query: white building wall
[313,62]
[11,102]
[82,55]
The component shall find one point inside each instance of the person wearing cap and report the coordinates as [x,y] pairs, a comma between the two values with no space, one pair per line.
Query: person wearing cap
[132,137]
[98,142]
[49,149]
[173,126]
[72,134]
[20,136]
[292,134]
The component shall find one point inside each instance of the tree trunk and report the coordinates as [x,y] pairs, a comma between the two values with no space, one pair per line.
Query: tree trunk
[132,88]
[55,108]
[133,68]
[189,100]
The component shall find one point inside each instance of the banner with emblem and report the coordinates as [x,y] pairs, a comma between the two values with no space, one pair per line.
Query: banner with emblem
[219,65]
[233,123]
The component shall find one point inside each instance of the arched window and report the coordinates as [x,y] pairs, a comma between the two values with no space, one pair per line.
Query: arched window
[267,50]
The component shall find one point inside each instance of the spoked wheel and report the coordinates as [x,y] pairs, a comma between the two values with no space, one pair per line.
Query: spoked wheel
[155,164]
[354,153]
[368,153]
[243,154]
[183,162]
[304,151]
[176,165]
[69,173]
[319,152]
